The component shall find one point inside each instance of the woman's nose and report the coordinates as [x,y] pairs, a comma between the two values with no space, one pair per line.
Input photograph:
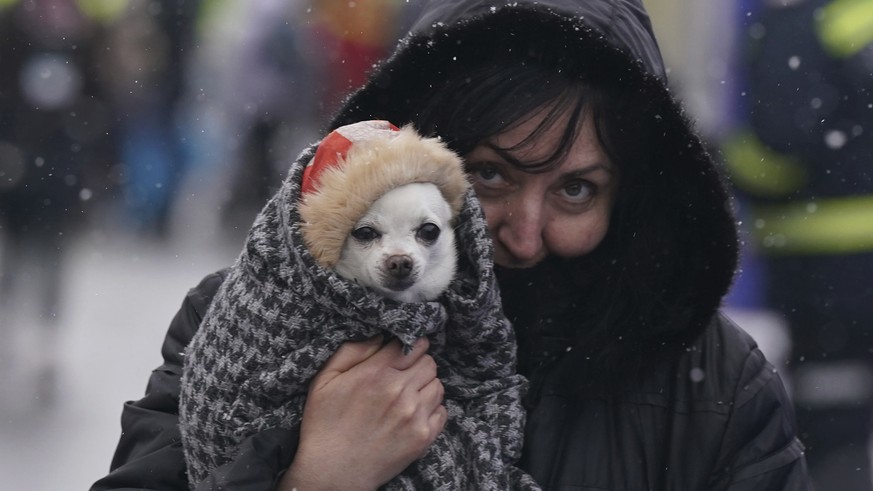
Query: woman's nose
[521,230]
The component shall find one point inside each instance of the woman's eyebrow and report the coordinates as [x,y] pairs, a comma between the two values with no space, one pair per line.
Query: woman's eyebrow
[589,169]
[505,155]
[511,160]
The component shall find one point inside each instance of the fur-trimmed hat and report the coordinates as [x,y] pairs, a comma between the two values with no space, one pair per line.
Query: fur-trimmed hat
[355,165]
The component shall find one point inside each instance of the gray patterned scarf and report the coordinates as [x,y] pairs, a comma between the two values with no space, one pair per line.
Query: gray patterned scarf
[279,316]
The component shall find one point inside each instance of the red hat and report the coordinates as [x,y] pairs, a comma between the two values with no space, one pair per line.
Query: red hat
[355,165]
[335,146]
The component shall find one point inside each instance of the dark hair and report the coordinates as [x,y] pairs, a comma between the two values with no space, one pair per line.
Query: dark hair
[473,106]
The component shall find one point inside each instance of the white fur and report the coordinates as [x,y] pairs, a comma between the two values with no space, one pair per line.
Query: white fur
[397,216]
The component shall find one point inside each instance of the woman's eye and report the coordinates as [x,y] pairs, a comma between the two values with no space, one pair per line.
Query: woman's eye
[578,191]
[366,234]
[428,232]
[487,174]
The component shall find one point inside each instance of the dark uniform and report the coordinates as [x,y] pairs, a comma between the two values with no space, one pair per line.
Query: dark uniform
[806,168]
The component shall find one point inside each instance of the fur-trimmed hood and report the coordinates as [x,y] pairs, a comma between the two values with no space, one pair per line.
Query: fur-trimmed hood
[666,267]
[348,183]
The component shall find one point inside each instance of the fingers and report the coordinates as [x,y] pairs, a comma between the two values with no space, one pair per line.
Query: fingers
[392,354]
[346,357]
[353,354]
[379,397]
[432,394]
[437,423]
[437,419]
[434,414]
[422,372]
[409,381]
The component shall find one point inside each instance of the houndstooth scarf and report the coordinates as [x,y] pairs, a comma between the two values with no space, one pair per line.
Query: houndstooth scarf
[279,316]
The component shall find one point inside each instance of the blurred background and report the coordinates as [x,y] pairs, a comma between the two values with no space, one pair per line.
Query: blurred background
[139,138]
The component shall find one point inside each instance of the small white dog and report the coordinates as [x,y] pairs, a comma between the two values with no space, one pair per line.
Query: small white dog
[404,246]
[379,205]
[371,249]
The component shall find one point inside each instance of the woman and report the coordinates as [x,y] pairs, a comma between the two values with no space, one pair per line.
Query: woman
[615,243]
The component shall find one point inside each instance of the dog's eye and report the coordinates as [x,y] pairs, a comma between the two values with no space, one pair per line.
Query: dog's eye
[366,234]
[428,232]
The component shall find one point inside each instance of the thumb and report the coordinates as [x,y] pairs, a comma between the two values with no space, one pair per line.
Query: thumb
[346,357]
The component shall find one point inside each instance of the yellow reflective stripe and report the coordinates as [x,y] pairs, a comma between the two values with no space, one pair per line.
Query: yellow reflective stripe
[7,3]
[845,27]
[827,226]
[105,11]
[759,170]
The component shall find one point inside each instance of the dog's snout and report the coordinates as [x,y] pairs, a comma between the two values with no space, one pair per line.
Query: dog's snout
[399,266]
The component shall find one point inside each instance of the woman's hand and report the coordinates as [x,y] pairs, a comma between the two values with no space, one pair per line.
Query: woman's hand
[371,411]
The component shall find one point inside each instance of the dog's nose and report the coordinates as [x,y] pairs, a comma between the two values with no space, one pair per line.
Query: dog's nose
[399,266]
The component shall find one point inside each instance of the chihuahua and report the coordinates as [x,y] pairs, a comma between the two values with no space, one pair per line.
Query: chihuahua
[404,246]
[379,206]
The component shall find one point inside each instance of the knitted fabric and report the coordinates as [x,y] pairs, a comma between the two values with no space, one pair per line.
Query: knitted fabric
[279,316]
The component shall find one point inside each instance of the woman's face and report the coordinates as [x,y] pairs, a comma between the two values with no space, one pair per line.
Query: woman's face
[563,212]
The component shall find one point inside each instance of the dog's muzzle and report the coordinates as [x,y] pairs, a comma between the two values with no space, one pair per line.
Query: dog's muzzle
[397,271]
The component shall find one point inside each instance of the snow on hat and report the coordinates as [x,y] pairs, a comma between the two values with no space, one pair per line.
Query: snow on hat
[355,165]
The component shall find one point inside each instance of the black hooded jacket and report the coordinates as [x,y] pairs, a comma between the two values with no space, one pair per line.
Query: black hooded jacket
[646,386]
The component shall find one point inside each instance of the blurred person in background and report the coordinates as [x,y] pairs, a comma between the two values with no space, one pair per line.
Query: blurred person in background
[144,65]
[252,82]
[351,37]
[55,142]
[264,79]
[804,166]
